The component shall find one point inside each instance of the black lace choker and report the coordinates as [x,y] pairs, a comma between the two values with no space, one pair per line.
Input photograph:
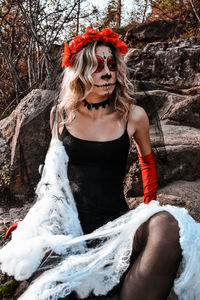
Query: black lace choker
[95,105]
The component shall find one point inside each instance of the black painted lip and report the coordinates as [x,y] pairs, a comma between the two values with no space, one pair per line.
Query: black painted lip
[108,84]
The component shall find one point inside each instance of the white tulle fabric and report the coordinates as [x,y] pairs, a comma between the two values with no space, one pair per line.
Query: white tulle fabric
[53,224]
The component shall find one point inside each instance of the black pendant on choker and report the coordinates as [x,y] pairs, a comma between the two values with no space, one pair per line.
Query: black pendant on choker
[96,105]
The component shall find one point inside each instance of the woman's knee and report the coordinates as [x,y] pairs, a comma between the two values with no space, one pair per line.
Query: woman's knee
[160,225]
[163,229]
[163,222]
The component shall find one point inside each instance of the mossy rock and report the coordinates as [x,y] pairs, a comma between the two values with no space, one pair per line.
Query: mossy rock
[8,288]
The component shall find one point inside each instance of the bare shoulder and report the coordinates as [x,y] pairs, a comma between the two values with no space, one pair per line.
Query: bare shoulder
[137,117]
[137,113]
[138,127]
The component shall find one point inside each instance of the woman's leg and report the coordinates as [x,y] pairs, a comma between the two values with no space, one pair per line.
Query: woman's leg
[155,259]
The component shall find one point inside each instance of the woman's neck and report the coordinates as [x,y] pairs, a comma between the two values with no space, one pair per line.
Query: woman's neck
[96,111]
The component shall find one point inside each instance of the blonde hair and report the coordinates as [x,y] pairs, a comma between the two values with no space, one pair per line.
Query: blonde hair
[77,83]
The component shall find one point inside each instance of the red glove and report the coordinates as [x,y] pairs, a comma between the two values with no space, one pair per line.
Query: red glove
[10,229]
[149,176]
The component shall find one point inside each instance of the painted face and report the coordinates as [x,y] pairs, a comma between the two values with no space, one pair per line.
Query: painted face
[104,77]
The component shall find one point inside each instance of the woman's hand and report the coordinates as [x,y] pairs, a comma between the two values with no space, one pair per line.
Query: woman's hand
[10,229]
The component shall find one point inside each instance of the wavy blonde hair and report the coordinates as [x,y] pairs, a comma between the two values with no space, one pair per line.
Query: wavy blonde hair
[77,83]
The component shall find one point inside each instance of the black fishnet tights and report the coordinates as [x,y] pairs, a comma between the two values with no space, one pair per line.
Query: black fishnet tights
[155,259]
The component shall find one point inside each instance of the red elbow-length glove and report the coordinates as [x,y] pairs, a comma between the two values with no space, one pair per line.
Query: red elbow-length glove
[149,176]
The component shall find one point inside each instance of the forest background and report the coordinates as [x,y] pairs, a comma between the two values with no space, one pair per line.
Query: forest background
[32,33]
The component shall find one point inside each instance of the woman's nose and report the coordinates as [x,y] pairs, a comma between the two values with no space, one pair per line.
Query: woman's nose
[108,76]
[107,73]
[107,70]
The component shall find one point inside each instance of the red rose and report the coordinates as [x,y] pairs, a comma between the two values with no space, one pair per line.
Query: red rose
[92,35]
[110,40]
[77,44]
[107,33]
[66,56]
[122,47]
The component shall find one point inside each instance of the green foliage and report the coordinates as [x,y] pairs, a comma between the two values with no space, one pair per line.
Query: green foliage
[168,3]
[5,176]
[122,30]
[5,115]
[8,288]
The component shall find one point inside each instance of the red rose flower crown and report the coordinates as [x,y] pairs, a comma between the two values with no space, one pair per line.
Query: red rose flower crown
[90,36]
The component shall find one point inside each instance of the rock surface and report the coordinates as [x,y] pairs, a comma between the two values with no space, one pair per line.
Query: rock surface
[175,63]
[25,136]
[159,30]
[182,149]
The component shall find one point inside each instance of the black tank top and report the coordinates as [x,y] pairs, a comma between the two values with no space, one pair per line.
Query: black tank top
[96,172]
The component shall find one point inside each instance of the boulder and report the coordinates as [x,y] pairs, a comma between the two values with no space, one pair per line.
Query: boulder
[159,30]
[180,193]
[180,153]
[183,112]
[25,135]
[175,63]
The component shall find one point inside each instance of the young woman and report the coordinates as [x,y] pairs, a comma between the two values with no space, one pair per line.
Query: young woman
[81,214]
[98,121]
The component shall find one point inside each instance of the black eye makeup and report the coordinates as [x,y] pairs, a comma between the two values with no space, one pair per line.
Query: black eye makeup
[111,63]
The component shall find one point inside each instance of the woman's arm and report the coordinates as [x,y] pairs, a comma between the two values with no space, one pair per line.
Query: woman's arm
[139,124]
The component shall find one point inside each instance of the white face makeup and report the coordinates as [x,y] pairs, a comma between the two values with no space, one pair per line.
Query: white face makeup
[105,75]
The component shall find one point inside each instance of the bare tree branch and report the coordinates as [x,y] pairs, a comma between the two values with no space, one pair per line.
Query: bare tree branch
[195,11]
[145,10]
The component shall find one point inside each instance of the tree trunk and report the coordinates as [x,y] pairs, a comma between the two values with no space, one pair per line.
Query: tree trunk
[118,16]
[78,16]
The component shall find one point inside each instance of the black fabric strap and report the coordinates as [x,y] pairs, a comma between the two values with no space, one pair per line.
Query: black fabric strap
[64,114]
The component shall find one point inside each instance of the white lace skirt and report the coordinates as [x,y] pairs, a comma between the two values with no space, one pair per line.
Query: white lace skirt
[53,224]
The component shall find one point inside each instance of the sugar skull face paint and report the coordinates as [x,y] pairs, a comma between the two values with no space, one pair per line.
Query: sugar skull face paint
[105,74]
[104,77]
[111,63]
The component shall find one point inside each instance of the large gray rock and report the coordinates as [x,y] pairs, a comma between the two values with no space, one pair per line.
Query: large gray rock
[186,111]
[175,108]
[175,63]
[182,146]
[25,136]
[172,98]
[152,31]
